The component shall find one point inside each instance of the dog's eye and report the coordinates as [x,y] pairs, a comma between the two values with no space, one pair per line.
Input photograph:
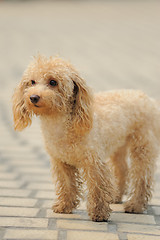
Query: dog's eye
[53,83]
[33,82]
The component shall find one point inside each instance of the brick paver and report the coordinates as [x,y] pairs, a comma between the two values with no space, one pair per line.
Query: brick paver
[142,237]
[72,235]
[30,234]
[114,44]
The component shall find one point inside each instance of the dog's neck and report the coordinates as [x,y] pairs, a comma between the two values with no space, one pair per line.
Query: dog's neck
[59,126]
[53,121]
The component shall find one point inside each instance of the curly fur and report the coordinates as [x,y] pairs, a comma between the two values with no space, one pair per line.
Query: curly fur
[82,130]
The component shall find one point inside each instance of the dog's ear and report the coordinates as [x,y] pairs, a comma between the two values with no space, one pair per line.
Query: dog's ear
[22,118]
[82,111]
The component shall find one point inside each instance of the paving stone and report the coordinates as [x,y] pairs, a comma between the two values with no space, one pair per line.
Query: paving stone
[81,225]
[82,205]
[10,184]
[15,193]
[19,202]
[36,178]
[155,201]
[80,235]
[32,170]
[23,222]
[47,204]
[19,212]
[51,214]
[3,168]
[135,218]
[7,176]
[30,162]
[117,207]
[156,194]
[156,210]
[142,237]
[31,234]
[135,228]
[40,186]
[45,195]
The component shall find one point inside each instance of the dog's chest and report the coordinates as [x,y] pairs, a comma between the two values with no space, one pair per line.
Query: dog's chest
[62,149]
[59,145]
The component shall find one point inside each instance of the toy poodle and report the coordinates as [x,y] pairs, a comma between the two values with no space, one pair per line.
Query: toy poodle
[83,130]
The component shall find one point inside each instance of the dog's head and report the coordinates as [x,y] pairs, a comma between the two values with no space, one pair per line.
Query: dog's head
[52,87]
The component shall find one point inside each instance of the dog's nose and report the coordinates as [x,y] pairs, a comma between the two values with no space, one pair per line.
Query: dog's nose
[34,98]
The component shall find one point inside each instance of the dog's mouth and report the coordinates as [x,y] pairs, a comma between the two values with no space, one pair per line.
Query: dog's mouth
[36,106]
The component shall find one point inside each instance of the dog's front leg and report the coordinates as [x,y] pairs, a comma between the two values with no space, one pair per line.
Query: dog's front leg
[101,191]
[68,187]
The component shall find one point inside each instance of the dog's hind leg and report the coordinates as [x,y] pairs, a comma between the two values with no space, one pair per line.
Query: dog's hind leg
[119,161]
[68,188]
[144,151]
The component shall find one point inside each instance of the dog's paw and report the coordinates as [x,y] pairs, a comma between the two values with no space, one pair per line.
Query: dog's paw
[100,215]
[100,218]
[132,207]
[61,208]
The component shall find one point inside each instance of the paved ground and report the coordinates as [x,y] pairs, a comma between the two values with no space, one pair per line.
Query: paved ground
[115,44]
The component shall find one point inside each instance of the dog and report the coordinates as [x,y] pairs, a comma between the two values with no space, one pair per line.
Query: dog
[82,130]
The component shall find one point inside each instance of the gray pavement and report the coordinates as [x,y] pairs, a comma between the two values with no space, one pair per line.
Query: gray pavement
[114,44]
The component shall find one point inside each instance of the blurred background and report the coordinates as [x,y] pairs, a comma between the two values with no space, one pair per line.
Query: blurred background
[112,43]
